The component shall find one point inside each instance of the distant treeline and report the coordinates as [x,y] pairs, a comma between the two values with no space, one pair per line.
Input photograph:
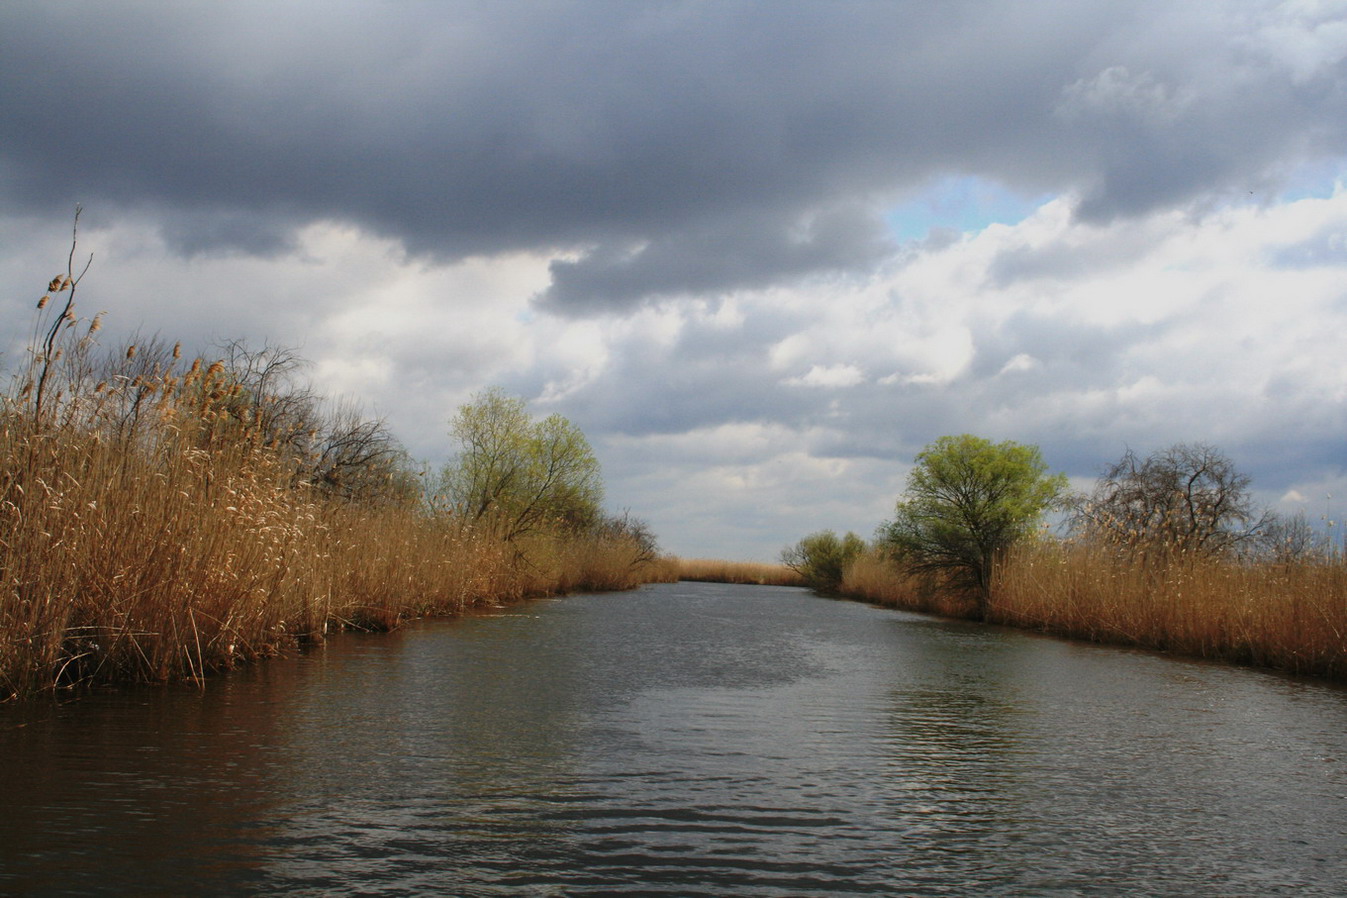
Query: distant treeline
[1166,552]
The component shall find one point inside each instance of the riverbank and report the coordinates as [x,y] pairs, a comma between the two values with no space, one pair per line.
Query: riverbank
[716,570]
[189,549]
[162,519]
[1288,616]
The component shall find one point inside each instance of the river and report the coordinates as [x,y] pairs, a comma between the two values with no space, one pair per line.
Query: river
[686,739]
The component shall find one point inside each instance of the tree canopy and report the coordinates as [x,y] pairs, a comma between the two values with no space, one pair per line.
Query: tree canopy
[519,475]
[821,558]
[968,499]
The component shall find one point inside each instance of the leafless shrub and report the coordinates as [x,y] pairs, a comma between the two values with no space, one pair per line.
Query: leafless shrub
[1187,499]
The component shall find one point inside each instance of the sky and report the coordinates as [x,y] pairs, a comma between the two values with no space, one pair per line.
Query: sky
[760,253]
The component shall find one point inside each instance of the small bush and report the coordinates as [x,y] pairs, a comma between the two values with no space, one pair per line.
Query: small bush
[821,558]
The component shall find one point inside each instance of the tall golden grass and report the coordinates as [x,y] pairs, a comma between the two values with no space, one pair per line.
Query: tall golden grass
[149,532]
[872,577]
[1289,615]
[714,570]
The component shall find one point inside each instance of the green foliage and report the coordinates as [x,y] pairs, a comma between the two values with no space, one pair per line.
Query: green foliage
[518,475]
[967,500]
[821,558]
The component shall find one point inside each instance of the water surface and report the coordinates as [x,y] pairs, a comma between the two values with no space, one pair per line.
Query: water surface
[687,739]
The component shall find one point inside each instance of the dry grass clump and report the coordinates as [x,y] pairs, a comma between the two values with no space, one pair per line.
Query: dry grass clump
[714,570]
[873,577]
[1290,616]
[1285,615]
[166,560]
[153,527]
[144,562]
[545,563]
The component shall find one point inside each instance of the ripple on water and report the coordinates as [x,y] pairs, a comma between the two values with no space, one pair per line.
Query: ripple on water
[689,739]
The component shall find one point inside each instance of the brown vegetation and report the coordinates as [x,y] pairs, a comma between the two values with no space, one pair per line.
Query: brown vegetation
[874,577]
[1289,616]
[1167,553]
[161,519]
[713,570]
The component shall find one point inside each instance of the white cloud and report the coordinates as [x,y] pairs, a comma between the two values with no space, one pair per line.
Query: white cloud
[1020,362]
[1084,338]
[830,376]
[746,491]
[1306,37]
[1118,92]
[759,360]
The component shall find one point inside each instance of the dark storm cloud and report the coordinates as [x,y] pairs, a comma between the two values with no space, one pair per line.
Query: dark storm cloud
[708,377]
[192,232]
[676,147]
[749,252]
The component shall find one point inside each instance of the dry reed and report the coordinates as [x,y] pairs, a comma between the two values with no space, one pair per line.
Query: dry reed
[872,577]
[149,531]
[712,570]
[1285,615]
[1289,616]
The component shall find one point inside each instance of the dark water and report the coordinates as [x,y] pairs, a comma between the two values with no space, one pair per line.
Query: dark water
[687,739]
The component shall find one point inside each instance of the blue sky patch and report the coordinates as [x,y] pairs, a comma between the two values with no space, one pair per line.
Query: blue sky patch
[963,202]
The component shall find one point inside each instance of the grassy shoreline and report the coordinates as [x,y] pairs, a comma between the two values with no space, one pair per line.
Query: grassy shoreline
[179,555]
[162,519]
[716,570]
[1289,617]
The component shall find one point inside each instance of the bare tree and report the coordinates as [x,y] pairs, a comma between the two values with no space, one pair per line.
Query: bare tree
[335,449]
[357,459]
[1187,498]
[129,381]
[272,395]
[634,531]
[1286,540]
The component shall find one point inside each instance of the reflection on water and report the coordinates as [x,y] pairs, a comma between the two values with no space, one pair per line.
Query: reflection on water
[687,739]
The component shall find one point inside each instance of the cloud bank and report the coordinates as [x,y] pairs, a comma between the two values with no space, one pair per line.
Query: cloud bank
[761,254]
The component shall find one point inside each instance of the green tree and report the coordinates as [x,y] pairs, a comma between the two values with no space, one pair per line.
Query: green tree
[518,475]
[821,558]
[967,500]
